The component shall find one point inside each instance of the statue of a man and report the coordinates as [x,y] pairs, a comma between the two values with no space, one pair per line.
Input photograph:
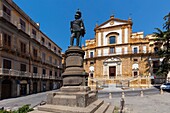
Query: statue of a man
[77,29]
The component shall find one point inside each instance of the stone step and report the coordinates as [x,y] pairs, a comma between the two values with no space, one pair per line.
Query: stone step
[102,108]
[36,111]
[66,109]
[110,109]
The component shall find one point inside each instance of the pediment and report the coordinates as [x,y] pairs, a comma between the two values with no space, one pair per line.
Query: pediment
[113,59]
[113,22]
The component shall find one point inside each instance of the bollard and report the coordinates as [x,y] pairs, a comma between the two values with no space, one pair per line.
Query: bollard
[110,95]
[141,93]
[122,105]
[123,94]
[161,91]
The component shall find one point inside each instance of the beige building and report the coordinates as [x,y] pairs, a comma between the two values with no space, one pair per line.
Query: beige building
[30,61]
[116,52]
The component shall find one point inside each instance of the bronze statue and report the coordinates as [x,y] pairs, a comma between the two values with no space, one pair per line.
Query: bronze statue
[77,29]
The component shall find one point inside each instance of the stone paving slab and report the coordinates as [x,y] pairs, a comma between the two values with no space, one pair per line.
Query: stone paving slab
[146,104]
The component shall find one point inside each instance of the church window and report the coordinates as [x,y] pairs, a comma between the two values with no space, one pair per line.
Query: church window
[112,40]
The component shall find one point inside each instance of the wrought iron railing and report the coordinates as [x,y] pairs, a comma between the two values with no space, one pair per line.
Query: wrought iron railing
[12,72]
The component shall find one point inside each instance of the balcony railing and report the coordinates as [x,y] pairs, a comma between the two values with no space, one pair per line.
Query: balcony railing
[33,36]
[16,73]
[5,15]
[11,72]
[35,75]
[21,27]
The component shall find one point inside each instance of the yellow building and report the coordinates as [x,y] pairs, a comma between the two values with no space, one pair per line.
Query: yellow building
[30,61]
[116,52]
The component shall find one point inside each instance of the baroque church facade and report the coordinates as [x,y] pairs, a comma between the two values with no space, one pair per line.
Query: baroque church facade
[116,52]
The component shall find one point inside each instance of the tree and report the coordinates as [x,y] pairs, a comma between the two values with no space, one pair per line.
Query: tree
[163,37]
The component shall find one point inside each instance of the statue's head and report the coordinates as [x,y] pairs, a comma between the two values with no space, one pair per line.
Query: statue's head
[78,14]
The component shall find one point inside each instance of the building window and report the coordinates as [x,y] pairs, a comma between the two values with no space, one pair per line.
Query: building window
[155,66]
[135,73]
[49,45]
[56,74]
[156,49]
[91,75]
[144,49]
[23,47]
[43,57]
[91,54]
[112,50]
[22,24]
[6,64]
[55,49]
[60,73]
[91,62]
[7,40]
[135,50]
[55,61]
[112,40]
[35,70]
[42,40]
[7,12]
[60,63]
[43,72]
[50,59]
[23,67]
[50,73]
[34,33]
[135,60]
[59,51]
[35,53]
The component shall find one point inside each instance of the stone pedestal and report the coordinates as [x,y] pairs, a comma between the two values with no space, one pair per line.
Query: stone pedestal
[74,74]
[75,96]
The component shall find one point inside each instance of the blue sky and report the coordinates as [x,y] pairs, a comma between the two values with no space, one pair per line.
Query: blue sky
[54,16]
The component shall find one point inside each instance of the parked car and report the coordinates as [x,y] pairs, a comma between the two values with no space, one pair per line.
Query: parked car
[165,86]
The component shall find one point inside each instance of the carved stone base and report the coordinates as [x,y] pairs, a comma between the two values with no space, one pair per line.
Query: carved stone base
[73,96]
[74,74]
[74,99]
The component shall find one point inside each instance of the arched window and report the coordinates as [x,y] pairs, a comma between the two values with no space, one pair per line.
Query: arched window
[112,40]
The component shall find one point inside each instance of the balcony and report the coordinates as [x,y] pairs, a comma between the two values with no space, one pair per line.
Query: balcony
[36,75]
[12,72]
[5,47]
[33,36]
[21,27]
[5,15]
[36,58]
[45,76]
[16,73]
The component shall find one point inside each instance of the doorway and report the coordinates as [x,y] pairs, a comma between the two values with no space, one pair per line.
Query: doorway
[23,89]
[6,89]
[112,71]
[35,87]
